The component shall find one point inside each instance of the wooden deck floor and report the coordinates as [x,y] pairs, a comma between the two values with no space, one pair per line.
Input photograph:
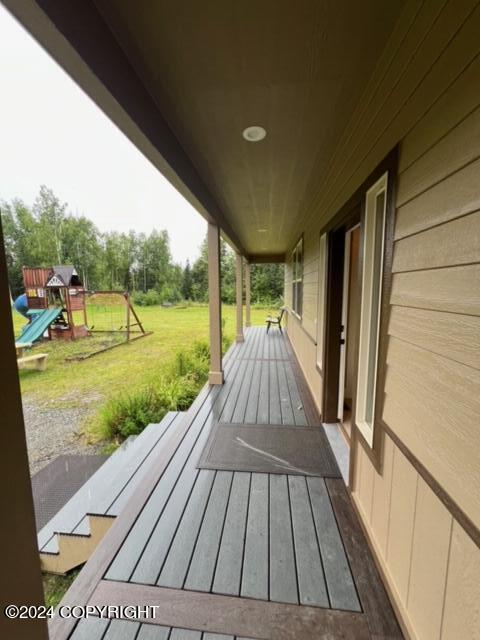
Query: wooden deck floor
[240,554]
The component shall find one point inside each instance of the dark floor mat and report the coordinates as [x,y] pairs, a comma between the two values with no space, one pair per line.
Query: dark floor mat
[269,448]
[55,484]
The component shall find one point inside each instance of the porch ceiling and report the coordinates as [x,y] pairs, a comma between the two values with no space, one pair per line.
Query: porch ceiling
[215,68]
[211,69]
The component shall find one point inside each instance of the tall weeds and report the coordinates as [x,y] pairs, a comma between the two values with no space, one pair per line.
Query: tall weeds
[174,390]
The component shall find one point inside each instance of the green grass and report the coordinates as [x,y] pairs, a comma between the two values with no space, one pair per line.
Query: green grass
[92,382]
[55,587]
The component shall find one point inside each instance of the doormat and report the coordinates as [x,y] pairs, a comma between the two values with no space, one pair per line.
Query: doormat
[267,448]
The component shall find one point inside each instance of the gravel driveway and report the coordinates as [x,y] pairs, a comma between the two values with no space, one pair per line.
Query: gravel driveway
[51,432]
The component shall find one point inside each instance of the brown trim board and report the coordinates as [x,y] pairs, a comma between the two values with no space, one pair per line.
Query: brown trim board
[450,504]
[312,414]
[232,615]
[93,571]
[457,512]
[371,590]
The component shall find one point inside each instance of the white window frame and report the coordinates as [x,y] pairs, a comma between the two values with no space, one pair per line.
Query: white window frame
[369,332]
[321,298]
[297,277]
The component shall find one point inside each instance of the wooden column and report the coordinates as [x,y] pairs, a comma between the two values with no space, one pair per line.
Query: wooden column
[215,305]
[247,294]
[239,273]
[20,577]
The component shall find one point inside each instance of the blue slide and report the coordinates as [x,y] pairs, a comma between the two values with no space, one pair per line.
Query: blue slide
[39,324]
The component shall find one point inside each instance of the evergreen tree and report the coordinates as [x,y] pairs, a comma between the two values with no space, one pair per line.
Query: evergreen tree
[187,282]
[47,234]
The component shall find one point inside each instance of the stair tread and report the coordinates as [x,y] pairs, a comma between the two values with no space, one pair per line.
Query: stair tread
[107,490]
[59,480]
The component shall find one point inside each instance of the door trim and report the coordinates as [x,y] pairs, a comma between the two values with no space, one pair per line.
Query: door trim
[341,222]
[333,313]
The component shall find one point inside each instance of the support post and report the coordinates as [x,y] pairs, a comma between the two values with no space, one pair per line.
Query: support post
[247,294]
[215,375]
[127,300]
[239,273]
[20,577]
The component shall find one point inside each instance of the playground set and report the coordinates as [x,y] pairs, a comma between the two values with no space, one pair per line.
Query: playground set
[55,304]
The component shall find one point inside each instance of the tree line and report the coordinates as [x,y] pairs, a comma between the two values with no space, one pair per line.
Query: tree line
[46,234]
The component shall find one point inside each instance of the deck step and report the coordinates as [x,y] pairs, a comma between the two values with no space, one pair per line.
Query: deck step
[59,480]
[70,537]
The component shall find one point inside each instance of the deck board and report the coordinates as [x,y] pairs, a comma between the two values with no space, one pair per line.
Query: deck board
[285,401]
[129,555]
[90,629]
[283,581]
[202,568]
[255,567]
[231,400]
[240,533]
[341,587]
[185,634]
[155,552]
[121,630]
[153,632]
[176,566]
[230,557]
[251,409]
[311,582]
[244,393]
[296,400]
[275,413]
[264,398]
[252,536]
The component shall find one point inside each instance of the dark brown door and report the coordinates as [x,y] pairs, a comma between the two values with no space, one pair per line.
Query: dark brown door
[341,329]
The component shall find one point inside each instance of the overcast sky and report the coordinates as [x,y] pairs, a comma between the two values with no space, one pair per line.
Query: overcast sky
[51,133]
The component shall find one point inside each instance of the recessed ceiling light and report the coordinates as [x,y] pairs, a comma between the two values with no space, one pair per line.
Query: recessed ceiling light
[262,230]
[254,134]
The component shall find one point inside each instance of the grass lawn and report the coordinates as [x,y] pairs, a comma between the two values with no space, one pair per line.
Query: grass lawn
[77,383]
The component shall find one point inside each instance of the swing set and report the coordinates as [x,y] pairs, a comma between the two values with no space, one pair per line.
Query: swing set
[112,312]
[79,313]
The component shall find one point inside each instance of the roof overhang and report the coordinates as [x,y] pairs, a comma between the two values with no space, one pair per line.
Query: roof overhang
[184,81]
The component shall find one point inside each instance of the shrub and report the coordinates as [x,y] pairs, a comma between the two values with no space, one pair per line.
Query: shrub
[129,413]
[149,299]
[152,298]
[138,298]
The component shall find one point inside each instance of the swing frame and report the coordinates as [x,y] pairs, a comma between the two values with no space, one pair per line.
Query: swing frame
[128,328]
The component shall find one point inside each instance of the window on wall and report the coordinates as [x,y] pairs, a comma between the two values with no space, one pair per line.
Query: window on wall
[373,252]
[322,288]
[297,264]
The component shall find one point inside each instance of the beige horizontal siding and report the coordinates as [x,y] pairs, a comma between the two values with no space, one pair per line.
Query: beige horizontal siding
[454,289]
[460,147]
[455,196]
[457,242]
[454,336]
[425,95]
